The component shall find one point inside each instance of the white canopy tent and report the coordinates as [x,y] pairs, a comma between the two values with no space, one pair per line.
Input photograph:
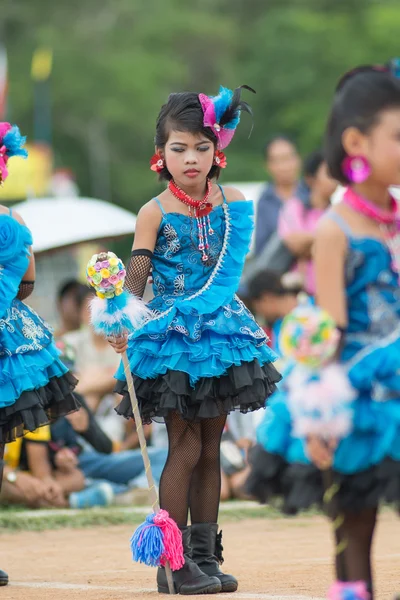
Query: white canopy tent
[60,222]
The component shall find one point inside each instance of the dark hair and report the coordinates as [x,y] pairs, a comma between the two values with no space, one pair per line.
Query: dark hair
[358,102]
[71,286]
[313,162]
[86,292]
[277,138]
[183,112]
[269,282]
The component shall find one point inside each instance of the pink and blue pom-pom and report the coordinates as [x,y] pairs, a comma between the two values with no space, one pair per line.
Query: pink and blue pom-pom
[349,590]
[157,541]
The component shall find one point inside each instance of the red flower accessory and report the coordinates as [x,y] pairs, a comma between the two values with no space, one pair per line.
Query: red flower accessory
[157,163]
[220,159]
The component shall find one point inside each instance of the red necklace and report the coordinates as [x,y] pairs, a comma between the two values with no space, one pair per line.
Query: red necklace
[201,210]
[389,222]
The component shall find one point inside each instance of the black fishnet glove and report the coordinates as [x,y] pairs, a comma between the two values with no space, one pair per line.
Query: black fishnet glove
[25,289]
[138,271]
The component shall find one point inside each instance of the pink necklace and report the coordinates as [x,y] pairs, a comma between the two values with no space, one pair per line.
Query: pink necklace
[388,220]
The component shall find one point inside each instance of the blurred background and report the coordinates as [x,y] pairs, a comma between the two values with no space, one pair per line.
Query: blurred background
[85,82]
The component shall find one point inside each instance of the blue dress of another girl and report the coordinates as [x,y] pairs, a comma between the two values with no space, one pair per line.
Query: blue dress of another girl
[367,461]
[35,386]
[202,354]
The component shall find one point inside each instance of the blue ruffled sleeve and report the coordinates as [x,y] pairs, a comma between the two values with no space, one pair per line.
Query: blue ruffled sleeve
[225,278]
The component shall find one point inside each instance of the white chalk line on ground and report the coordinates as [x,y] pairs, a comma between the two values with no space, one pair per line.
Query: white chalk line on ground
[55,585]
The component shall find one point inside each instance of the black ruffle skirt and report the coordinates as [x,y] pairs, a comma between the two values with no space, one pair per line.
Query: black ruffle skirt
[35,408]
[245,387]
[300,486]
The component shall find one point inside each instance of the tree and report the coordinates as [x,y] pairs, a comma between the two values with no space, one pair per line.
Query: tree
[116,61]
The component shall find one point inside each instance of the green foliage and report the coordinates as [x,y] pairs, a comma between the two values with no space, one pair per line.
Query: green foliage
[115,62]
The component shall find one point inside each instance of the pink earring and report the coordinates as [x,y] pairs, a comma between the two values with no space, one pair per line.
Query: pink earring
[356,168]
[157,163]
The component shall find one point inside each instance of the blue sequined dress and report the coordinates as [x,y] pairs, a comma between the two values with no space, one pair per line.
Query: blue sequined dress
[367,461]
[202,354]
[35,386]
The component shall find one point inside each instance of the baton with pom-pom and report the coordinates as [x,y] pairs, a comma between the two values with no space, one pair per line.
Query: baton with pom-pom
[320,400]
[114,313]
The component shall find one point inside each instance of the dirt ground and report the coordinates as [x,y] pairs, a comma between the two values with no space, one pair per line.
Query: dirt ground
[273,559]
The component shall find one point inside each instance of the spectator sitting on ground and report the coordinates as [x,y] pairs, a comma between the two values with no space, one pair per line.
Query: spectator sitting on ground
[68,306]
[297,223]
[59,481]
[273,297]
[98,456]
[239,436]
[95,363]
[21,488]
[283,163]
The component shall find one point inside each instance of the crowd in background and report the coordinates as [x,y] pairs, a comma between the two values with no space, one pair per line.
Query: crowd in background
[288,212]
[92,457]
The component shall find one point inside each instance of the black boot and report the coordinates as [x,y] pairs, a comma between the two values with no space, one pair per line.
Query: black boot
[190,579]
[207,553]
[3,578]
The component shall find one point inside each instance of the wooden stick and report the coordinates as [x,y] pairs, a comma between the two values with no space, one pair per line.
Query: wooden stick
[145,455]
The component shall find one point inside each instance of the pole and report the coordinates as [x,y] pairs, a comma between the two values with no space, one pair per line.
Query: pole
[143,448]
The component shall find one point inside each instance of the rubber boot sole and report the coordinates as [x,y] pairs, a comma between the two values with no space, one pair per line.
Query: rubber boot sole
[229,587]
[213,588]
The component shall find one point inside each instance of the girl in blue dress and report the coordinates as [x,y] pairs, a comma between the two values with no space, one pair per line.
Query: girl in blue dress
[35,386]
[357,262]
[202,354]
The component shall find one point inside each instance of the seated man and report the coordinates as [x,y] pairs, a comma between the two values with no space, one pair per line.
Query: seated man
[31,461]
[22,488]
[99,458]
[96,362]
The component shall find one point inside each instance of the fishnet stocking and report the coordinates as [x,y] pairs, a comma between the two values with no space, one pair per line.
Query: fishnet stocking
[138,271]
[192,473]
[205,488]
[25,289]
[358,530]
[184,439]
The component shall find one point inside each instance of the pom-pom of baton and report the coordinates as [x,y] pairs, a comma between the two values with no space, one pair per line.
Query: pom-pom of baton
[158,540]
